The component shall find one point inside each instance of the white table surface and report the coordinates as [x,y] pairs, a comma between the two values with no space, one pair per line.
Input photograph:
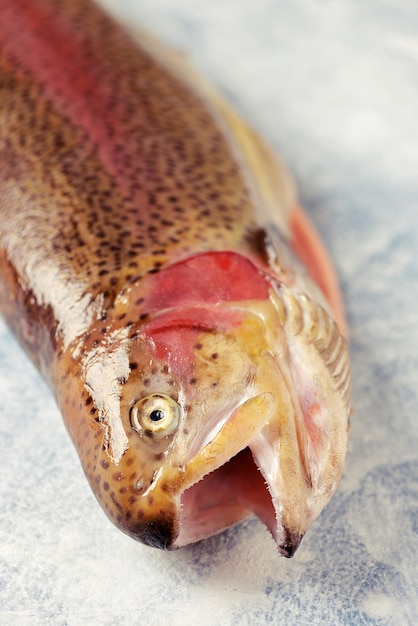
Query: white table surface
[334,87]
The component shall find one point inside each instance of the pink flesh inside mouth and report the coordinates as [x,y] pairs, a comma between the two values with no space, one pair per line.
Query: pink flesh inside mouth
[223,498]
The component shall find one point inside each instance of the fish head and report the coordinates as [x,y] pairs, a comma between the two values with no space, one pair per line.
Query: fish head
[206,413]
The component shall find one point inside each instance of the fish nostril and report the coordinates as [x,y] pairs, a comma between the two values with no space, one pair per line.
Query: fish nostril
[140,485]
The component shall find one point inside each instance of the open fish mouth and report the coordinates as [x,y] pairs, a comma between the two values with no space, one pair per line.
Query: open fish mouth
[223,498]
[230,486]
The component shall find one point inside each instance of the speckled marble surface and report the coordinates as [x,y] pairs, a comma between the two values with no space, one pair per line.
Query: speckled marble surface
[334,87]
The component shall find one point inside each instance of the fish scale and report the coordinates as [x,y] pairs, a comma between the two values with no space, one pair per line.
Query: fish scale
[148,251]
[163,193]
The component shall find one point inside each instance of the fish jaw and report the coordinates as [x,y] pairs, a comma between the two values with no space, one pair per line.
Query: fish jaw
[292,448]
[301,452]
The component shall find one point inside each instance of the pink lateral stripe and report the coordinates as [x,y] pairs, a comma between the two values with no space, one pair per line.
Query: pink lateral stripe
[38,40]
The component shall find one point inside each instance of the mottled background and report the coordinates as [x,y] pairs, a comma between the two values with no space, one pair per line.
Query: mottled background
[333,85]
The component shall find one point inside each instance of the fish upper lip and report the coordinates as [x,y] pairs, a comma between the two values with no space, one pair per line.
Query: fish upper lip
[213,427]
[232,435]
[239,428]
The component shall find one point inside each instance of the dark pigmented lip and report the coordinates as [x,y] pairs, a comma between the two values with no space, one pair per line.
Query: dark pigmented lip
[290,544]
[159,533]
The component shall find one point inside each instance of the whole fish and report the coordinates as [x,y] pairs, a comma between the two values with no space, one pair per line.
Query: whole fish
[151,265]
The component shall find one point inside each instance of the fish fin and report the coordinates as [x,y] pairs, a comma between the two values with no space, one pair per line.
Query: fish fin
[271,178]
[308,246]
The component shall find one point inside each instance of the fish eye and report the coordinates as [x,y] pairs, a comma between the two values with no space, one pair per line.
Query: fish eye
[157,415]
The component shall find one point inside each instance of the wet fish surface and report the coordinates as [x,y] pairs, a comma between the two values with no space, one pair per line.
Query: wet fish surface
[157,269]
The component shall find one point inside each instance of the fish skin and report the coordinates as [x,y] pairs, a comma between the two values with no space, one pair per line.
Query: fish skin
[147,246]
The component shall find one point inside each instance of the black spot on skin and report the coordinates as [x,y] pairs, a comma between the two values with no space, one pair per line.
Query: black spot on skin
[117,504]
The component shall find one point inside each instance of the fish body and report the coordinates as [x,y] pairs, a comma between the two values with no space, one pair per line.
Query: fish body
[157,269]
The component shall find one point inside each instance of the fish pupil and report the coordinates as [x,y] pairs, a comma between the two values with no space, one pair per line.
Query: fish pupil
[156,415]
